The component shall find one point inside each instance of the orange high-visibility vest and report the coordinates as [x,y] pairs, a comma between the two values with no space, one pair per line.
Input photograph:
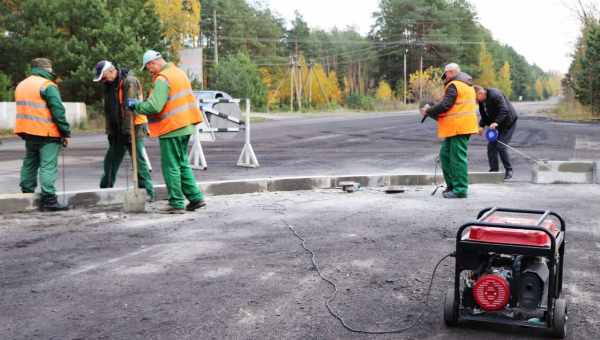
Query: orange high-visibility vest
[181,108]
[137,119]
[33,115]
[461,119]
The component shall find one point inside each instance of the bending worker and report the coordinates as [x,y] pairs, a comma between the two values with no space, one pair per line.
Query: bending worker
[42,123]
[498,113]
[120,84]
[172,111]
[456,115]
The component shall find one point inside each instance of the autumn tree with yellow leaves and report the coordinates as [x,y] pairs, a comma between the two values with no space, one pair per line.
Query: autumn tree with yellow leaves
[317,87]
[181,21]
[487,72]
[504,80]
[384,92]
[426,85]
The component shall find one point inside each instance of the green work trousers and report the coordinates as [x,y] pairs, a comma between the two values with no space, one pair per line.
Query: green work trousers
[114,156]
[42,156]
[455,163]
[177,171]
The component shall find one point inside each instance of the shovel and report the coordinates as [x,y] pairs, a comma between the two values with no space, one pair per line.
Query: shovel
[135,198]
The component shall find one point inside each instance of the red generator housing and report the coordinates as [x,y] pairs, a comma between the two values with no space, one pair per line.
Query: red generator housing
[509,270]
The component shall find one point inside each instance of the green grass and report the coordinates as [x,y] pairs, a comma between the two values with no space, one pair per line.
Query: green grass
[6,133]
[255,119]
[572,110]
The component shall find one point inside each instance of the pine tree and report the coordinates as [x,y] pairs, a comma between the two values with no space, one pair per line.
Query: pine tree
[240,77]
[76,34]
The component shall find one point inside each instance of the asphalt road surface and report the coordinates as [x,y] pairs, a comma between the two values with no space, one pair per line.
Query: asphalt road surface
[235,271]
[345,144]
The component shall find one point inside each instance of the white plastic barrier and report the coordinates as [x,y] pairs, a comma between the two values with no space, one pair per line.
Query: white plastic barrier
[76,114]
[247,157]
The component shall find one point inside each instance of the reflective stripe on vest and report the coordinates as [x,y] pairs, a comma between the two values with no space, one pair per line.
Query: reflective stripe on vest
[33,115]
[33,118]
[163,116]
[32,104]
[181,94]
[181,108]
[461,119]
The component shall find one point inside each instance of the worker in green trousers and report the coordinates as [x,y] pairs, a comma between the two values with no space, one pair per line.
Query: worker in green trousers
[41,122]
[454,157]
[172,112]
[120,84]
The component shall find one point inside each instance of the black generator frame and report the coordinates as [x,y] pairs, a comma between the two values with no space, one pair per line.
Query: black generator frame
[467,252]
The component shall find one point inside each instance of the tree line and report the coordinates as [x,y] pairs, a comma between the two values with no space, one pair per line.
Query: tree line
[258,55]
[582,82]
[429,33]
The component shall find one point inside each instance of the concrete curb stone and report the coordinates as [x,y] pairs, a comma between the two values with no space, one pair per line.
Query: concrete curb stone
[12,203]
[564,172]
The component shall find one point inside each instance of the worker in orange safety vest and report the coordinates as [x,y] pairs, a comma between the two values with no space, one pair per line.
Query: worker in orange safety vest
[457,120]
[172,112]
[41,122]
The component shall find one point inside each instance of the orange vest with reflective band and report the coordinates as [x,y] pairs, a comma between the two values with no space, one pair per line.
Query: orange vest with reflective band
[33,115]
[137,119]
[181,108]
[461,119]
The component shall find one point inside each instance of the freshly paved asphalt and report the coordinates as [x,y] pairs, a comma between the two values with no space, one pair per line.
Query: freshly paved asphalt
[332,145]
[234,270]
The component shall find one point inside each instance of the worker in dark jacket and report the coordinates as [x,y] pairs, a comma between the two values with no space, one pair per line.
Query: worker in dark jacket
[120,85]
[41,121]
[497,113]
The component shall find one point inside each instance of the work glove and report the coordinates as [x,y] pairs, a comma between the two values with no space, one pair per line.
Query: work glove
[64,142]
[131,103]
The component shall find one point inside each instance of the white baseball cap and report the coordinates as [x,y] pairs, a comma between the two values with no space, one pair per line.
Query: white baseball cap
[101,67]
[149,56]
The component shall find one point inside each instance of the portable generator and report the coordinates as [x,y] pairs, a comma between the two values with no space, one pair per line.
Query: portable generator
[509,270]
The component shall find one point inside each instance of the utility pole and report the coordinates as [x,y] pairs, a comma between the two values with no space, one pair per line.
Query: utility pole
[421,77]
[292,68]
[299,84]
[405,80]
[200,43]
[215,37]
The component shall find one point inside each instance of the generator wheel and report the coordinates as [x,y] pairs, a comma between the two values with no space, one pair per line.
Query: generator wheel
[450,315]
[559,319]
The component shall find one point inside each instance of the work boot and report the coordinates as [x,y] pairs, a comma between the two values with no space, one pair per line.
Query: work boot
[508,175]
[192,206]
[494,170]
[452,194]
[172,210]
[51,204]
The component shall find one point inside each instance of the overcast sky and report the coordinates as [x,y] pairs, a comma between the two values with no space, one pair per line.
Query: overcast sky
[544,31]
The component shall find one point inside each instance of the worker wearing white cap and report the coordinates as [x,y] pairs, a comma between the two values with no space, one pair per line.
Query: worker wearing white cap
[120,85]
[456,115]
[172,112]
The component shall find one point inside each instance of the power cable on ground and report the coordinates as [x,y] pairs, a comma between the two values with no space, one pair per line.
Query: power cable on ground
[332,297]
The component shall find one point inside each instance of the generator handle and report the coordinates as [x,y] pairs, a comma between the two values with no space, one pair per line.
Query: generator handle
[506,226]
[487,212]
